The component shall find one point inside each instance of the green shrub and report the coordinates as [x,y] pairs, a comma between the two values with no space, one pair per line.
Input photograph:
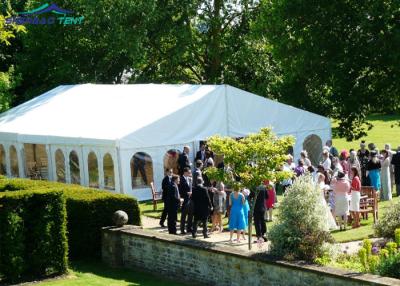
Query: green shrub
[33,239]
[390,266]
[301,231]
[389,222]
[397,236]
[88,210]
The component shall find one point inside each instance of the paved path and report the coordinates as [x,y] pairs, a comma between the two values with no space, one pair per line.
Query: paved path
[217,238]
[223,238]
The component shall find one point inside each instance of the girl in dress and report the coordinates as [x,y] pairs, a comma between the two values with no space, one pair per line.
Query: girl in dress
[355,197]
[236,217]
[270,201]
[219,203]
[246,209]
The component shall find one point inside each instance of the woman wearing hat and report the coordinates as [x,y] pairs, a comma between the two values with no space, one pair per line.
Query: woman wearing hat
[373,171]
[341,189]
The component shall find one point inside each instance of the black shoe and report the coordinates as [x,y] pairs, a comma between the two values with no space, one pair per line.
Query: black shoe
[189,230]
[162,225]
[265,239]
[193,235]
[206,236]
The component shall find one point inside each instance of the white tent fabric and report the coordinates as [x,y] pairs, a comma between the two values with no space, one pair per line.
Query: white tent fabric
[151,118]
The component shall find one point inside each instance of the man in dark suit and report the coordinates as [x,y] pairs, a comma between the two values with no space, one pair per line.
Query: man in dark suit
[259,211]
[396,163]
[185,191]
[197,172]
[202,207]
[201,154]
[165,184]
[173,202]
[183,160]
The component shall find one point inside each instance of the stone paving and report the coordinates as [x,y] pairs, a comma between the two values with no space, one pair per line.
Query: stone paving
[223,238]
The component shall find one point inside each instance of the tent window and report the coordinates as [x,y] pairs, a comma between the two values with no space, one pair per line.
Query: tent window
[60,166]
[14,162]
[3,168]
[141,170]
[171,160]
[74,168]
[313,145]
[93,170]
[108,170]
[36,162]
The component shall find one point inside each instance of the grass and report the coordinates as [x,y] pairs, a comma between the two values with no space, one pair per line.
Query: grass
[98,274]
[385,130]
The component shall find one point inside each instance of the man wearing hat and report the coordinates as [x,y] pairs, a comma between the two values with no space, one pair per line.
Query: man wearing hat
[396,163]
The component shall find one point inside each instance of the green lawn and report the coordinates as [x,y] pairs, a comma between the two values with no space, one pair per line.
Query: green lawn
[98,274]
[385,130]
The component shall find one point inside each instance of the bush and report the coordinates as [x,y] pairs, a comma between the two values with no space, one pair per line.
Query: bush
[88,210]
[301,231]
[390,266]
[389,221]
[33,239]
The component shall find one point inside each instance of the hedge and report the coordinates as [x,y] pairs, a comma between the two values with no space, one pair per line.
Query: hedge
[88,210]
[33,240]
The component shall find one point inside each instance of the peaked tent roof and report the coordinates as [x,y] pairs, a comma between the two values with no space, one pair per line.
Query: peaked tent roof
[146,115]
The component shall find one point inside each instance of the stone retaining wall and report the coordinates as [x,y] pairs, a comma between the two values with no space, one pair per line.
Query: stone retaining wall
[204,263]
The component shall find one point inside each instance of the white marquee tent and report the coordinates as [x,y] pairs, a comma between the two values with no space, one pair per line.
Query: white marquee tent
[90,133]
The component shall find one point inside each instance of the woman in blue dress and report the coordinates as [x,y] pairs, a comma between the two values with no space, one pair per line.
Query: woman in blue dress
[246,209]
[236,217]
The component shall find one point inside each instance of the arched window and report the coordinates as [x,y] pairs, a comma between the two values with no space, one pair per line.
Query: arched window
[313,145]
[141,170]
[3,165]
[108,170]
[14,162]
[60,166]
[93,170]
[74,168]
[36,163]
[171,160]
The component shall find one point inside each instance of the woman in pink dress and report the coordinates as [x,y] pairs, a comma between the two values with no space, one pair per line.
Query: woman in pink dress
[270,201]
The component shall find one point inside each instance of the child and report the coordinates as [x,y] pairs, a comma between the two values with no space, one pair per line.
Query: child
[270,201]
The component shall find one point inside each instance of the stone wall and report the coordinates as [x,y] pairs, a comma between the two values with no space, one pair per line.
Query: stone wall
[204,263]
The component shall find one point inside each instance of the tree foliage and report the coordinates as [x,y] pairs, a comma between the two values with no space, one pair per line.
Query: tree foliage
[337,57]
[250,161]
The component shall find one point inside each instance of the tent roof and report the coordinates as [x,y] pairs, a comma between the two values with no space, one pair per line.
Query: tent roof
[145,115]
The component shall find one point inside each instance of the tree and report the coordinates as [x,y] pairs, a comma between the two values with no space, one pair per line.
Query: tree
[253,159]
[338,57]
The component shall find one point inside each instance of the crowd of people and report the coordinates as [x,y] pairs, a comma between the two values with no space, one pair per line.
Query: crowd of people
[338,176]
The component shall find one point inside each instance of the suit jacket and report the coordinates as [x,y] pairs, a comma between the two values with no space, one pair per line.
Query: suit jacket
[201,202]
[396,163]
[184,189]
[196,174]
[166,182]
[172,197]
[260,200]
[198,156]
[183,161]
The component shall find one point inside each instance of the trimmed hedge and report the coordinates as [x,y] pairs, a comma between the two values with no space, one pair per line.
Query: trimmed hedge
[88,210]
[33,240]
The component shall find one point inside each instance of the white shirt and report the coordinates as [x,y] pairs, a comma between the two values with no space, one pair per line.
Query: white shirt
[327,164]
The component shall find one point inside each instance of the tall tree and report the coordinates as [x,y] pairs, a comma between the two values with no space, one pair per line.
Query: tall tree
[338,57]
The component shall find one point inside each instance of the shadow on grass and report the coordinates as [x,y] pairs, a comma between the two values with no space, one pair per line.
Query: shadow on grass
[133,277]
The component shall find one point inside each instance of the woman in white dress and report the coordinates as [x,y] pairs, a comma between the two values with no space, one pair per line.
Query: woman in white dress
[386,193]
[320,184]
